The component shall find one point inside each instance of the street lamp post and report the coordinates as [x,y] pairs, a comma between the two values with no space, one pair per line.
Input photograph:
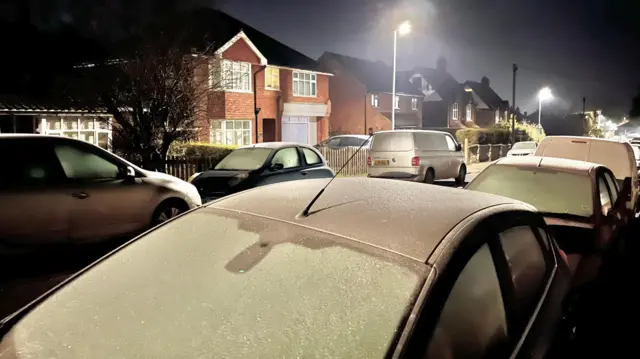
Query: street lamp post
[543,95]
[403,29]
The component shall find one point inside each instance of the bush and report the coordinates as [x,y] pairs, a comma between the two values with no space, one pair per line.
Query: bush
[483,136]
[530,130]
[200,149]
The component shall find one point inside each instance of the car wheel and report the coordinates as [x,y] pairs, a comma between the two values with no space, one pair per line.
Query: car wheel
[167,211]
[462,175]
[429,176]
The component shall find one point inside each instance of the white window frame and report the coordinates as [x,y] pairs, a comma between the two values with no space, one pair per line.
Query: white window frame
[375,101]
[414,103]
[223,132]
[228,83]
[469,113]
[95,130]
[313,83]
[268,75]
[396,102]
[454,111]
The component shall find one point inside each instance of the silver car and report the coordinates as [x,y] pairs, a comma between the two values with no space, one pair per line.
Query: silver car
[415,155]
[60,190]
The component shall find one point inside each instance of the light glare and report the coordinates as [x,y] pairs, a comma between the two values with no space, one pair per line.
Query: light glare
[404,28]
[545,94]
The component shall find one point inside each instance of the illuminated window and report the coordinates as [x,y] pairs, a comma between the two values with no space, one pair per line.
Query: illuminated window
[454,111]
[236,76]
[414,104]
[231,132]
[396,102]
[272,78]
[375,100]
[96,131]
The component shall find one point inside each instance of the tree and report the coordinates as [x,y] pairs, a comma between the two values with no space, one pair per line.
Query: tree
[635,106]
[156,97]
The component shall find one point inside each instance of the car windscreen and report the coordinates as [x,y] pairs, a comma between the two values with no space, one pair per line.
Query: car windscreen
[636,152]
[218,284]
[524,146]
[392,141]
[246,159]
[548,191]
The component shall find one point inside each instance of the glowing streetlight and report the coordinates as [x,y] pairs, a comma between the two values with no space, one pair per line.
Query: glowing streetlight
[543,95]
[403,29]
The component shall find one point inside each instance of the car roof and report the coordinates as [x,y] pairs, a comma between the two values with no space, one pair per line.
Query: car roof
[412,131]
[364,137]
[402,217]
[554,163]
[580,138]
[275,145]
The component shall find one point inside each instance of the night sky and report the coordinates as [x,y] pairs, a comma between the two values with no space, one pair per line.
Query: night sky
[577,47]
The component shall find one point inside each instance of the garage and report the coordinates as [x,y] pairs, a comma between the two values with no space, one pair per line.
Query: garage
[300,122]
[295,129]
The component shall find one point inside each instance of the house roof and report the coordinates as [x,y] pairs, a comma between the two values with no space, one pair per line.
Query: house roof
[206,28]
[442,82]
[14,105]
[376,76]
[486,94]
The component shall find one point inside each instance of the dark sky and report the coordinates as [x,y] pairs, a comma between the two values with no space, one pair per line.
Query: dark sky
[577,47]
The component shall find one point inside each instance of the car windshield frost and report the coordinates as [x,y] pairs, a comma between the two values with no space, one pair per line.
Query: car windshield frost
[216,284]
[245,159]
[524,146]
[548,191]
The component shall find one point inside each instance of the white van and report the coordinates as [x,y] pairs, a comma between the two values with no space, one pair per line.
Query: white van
[416,155]
[618,156]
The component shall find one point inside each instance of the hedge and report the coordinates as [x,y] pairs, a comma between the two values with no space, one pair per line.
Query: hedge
[530,129]
[483,136]
[200,149]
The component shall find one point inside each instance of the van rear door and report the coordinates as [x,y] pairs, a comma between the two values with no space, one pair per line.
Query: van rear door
[391,154]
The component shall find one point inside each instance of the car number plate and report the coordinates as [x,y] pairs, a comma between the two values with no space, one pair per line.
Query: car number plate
[381,162]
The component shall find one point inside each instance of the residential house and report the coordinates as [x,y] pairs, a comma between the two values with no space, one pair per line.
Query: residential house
[361,96]
[485,107]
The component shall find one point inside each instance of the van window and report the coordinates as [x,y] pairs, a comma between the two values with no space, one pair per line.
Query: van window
[451,145]
[392,141]
[427,141]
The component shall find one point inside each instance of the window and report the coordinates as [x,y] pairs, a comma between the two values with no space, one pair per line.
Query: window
[469,113]
[497,116]
[272,78]
[245,159]
[613,187]
[304,84]
[28,163]
[451,145]
[396,102]
[288,157]
[414,104]
[231,132]
[79,163]
[476,297]
[605,198]
[526,264]
[454,111]
[96,131]
[375,100]
[334,142]
[311,157]
[236,76]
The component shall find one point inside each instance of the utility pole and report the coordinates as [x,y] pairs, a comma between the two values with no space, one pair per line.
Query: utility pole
[584,106]
[513,106]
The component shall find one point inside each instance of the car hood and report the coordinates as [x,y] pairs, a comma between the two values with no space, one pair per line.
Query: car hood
[168,182]
[221,174]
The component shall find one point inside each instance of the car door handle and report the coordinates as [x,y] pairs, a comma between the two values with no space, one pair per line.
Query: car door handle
[80,195]
[304,173]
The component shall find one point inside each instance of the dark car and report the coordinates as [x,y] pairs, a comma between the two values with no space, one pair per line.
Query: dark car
[376,269]
[343,141]
[258,165]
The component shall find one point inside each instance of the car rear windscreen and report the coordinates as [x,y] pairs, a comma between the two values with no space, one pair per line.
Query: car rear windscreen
[392,141]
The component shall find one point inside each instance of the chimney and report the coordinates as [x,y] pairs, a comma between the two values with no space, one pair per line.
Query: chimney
[441,64]
[485,81]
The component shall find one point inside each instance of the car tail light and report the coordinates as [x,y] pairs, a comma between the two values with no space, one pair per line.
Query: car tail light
[368,161]
[415,161]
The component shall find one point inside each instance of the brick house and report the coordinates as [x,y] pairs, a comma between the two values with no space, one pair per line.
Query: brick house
[361,99]
[292,96]
[485,105]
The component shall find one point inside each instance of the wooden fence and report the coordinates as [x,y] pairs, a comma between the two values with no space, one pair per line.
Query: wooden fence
[337,158]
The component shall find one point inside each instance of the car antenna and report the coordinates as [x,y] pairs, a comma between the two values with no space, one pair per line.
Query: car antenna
[305,211]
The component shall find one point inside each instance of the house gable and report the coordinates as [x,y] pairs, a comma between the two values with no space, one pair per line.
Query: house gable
[240,48]
[429,91]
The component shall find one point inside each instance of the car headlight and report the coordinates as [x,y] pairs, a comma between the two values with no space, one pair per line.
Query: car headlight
[194,176]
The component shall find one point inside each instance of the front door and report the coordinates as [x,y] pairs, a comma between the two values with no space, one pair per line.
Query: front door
[295,129]
[269,130]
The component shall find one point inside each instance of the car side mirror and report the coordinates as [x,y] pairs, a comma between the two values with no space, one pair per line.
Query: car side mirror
[127,172]
[276,167]
[458,147]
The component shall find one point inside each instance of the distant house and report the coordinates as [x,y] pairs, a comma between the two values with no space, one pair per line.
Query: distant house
[360,93]
[485,107]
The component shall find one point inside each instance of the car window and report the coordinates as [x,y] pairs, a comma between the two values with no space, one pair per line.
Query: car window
[28,163]
[527,265]
[288,157]
[524,146]
[244,159]
[548,191]
[613,186]
[450,144]
[311,157]
[605,198]
[473,319]
[334,142]
[217,284]
[80,163]
[349,141]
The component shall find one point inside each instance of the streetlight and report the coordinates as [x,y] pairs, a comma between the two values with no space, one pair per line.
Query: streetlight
[401,30]
[543,95]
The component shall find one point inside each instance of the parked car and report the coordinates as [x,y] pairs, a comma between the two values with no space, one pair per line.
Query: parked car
[60,190]
[362,276]
[618,156]
[342,141]
[636,154]
[581,203]
[415,155]
[259,165]
[524,148]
